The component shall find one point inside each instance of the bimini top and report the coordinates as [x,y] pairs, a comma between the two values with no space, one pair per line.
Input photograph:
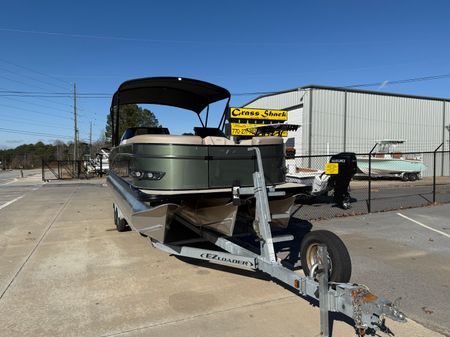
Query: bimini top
[179,92]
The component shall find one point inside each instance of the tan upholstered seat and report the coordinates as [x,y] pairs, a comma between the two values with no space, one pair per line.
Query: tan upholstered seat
[246,142]
[213,140]
[272,140]
[163,139]
[262,141]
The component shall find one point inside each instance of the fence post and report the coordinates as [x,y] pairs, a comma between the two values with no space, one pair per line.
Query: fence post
[434,172]
[101,165]
[43,171]
[369,196]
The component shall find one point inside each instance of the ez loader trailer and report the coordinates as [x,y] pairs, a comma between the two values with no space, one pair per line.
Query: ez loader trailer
[355,301]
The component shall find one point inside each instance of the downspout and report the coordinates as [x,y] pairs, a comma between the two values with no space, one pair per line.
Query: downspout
[345,121]
[310,126]
[443,137]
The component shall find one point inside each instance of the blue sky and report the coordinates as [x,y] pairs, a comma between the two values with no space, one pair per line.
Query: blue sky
[245,46]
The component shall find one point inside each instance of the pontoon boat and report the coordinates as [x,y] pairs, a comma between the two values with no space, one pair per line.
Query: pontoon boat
[155,175]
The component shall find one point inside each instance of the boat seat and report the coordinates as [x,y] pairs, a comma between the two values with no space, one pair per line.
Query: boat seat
[246,142]
[163,139]
[213,140]
[270,140]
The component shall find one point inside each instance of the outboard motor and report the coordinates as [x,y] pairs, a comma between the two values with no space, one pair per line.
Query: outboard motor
[341,180]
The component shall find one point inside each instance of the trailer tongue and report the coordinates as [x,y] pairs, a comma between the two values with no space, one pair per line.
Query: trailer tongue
[355,301]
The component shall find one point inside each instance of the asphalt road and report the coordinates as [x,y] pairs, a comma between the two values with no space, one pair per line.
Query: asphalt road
[66,271]
[13,188]
[8,176]
[384,197]
[403,254]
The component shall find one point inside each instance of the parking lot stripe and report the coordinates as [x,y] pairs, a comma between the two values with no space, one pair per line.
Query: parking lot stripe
[11,201]
[423,225]
[9,182]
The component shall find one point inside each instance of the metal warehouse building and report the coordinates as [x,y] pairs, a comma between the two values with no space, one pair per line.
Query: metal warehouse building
[337,119]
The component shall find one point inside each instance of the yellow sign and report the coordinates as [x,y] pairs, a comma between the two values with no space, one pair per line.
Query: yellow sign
[332,168]
[267,114]
[240,129]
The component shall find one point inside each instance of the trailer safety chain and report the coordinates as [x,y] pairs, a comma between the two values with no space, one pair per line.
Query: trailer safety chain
[357,302]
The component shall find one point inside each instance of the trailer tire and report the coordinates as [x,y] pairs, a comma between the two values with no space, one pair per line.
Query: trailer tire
[413,177]
[122,225]
[339,258]
[116,216]
[405,177]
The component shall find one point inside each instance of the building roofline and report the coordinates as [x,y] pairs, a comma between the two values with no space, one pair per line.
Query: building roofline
[347,89]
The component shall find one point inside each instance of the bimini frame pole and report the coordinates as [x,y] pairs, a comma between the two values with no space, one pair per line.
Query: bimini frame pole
[207,115]
[115,121]
[224,115]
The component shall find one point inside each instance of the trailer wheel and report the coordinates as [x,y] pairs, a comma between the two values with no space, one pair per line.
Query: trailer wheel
[116,216]
[340,265]
[413,177]
[122,225]
[405,176]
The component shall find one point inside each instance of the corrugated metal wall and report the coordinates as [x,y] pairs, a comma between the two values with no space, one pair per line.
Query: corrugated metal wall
[446,159]
[353,121]
[279,101]
[325,121]
[373,117]
[282,101]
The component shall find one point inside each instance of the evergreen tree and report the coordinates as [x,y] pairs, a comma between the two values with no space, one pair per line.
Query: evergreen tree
[132,115]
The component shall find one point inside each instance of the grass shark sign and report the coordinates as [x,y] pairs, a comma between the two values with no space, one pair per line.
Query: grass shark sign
[265,114]
[244,120]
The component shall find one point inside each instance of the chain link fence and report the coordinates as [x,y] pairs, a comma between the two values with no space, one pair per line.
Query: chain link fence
[383,182]
[71,169]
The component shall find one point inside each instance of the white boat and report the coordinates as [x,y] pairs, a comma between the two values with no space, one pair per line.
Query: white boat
[100,163]
[387,162]
[315,180]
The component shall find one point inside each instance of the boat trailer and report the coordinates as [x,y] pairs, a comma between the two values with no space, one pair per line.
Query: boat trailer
[352,300]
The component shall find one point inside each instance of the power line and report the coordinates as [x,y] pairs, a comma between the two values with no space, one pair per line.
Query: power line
[409,80]
[37,104]
[374,84]
[38,98]
[198,42]
[51,93]
[25,121]
[108,95]
[35,71]
[32,133]
[132,39]
[22,82]
[33,111]
[33,78]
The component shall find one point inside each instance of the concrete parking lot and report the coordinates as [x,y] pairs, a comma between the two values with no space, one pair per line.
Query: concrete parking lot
[66,271]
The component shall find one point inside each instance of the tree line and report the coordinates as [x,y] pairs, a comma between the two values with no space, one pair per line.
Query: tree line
[29,156]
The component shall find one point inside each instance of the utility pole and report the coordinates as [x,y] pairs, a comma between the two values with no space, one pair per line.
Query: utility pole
[75,136]
[90,139]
